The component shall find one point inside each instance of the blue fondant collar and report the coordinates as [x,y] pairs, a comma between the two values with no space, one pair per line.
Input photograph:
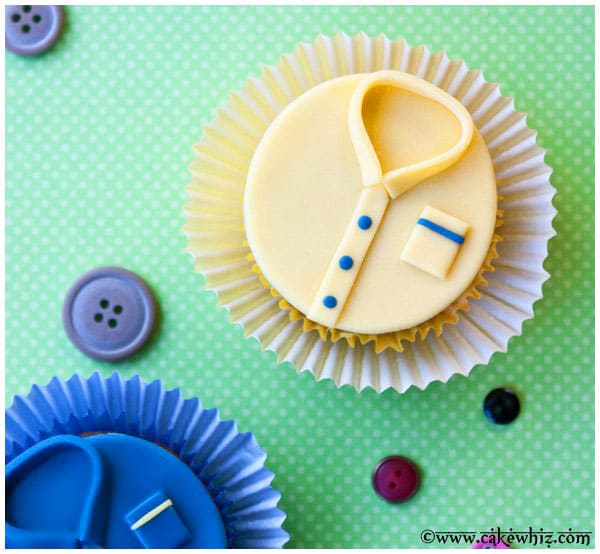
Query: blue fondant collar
[91,519]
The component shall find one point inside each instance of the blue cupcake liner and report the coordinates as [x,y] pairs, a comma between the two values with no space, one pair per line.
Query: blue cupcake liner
[230,464]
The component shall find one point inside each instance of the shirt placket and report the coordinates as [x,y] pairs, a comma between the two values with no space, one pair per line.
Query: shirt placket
[379,189]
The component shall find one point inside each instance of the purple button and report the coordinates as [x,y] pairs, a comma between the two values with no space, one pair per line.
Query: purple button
[109,313]
[489,542]
[31,30]
[395,479]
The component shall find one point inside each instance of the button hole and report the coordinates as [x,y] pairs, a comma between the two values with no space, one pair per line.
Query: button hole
[118,309]
[26,9]
[15,18]
[112,323]
[98,318]
[104,303]
[398,473]
[392,485]
[25,28]
[36,18]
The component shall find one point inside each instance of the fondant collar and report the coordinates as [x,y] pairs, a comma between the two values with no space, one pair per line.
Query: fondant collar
[398,181]
[92,521]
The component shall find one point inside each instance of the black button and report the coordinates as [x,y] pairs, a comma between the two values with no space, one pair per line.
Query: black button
[501,406]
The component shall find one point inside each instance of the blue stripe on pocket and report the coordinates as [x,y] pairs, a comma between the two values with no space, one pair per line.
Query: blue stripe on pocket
[441,230]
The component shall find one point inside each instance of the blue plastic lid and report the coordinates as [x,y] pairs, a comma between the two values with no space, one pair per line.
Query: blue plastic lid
[109,491]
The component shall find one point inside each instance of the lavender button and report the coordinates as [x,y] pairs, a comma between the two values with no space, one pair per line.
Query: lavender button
[31,30]
[109,313]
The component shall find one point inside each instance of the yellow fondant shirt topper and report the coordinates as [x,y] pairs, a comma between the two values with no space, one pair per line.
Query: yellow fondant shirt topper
[337,185]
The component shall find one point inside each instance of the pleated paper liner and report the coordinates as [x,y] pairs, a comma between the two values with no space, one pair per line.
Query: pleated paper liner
[216,237]
[230,464]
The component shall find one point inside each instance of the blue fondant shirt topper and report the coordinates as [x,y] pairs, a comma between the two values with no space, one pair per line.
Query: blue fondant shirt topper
[109,491]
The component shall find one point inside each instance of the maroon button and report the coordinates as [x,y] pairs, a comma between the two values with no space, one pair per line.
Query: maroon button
[395,479]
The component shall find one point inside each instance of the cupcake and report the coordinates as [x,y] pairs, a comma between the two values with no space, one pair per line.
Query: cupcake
[124,464]
[363,209]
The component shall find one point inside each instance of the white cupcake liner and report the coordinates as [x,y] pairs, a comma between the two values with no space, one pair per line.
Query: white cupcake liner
[230,464]
[216,237]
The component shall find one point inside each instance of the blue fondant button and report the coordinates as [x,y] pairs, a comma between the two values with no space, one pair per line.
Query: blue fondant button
[330,302]
[346,262]
[364,222]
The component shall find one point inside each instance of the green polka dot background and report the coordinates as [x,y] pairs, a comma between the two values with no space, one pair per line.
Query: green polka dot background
[98,143]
